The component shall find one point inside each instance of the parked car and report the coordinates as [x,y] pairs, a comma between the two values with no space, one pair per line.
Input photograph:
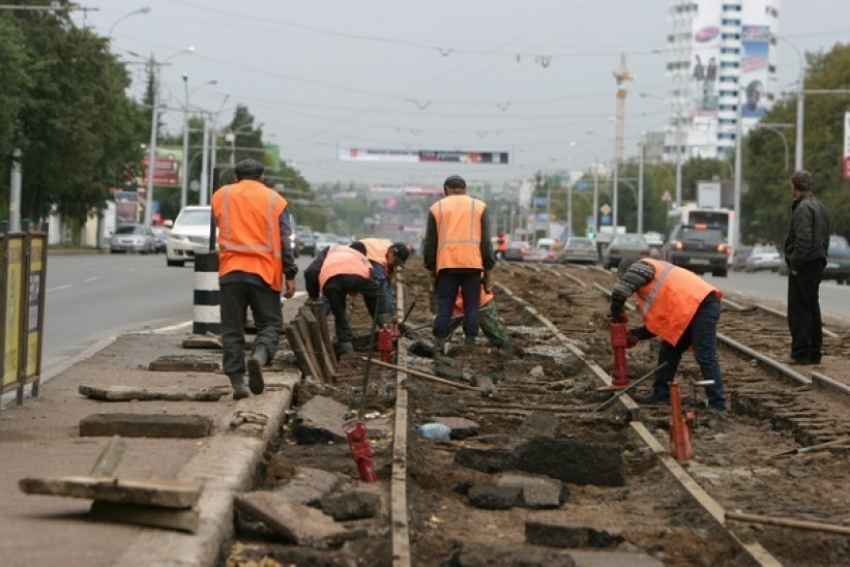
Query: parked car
[624,246]
[516,251]
[189,235]
[837,260]
[160,235]
[323,240]
[578,250]
[697,248]
[132,238]
[764,258]
[306,241]
[538,254]
[739,258]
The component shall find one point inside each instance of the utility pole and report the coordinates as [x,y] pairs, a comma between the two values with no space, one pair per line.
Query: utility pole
[15,196]
[622,75]
[154,70]
[640,187]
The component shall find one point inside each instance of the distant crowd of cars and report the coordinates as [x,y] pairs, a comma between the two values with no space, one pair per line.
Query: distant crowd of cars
[699,248]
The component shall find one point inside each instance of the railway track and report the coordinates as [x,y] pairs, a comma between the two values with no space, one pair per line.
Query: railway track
[675,512]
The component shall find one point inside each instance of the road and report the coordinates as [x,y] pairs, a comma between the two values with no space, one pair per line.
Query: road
[91,297]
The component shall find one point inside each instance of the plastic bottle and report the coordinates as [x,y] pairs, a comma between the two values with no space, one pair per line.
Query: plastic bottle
[435,431]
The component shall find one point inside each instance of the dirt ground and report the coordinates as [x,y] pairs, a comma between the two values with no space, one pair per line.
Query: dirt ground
[651,514]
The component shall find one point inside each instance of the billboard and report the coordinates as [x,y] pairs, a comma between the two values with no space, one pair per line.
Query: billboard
[421,156]
[705,61]
[847,145]
[755,44]
[166,168]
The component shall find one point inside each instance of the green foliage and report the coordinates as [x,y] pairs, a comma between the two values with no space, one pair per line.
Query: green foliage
[766,205]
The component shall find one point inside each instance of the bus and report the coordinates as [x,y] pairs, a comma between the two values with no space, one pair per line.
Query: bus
[691,213]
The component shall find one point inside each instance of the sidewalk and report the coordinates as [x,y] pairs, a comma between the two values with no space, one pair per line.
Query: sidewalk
[41,439]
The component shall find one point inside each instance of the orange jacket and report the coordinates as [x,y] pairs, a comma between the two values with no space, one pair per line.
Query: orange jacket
[457,311]
[247,214]
[670,300]
[376,249]
[458,219]
[343,260]
[501,244]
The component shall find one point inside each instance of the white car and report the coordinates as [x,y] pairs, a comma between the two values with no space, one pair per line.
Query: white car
[190,235]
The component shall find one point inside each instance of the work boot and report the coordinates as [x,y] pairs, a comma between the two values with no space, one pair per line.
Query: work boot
[469,341]
[255,371]
[439,346]
[239,389]
[343,348]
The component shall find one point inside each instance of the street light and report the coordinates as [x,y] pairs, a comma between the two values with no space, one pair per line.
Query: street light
[144,10]
[155,67]
[184,187]
[230,138]
[798,150]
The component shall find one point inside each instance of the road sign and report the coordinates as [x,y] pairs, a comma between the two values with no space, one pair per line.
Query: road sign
[605,209]
[667,197]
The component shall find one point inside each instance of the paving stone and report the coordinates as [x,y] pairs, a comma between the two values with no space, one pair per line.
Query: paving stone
[184,363]
[546,352]
[560,535]
[485,460]
[142,425]
[293,521]
[460,426]
[480,555]
[493,497]
[572,461]
[448,368]
[352,505]
[537,492]
[540,424]
[308,485]
[320,421]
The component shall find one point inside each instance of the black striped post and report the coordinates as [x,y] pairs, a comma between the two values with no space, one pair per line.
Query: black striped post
[206,312]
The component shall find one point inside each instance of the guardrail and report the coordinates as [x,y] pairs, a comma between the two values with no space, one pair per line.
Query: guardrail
[23,271]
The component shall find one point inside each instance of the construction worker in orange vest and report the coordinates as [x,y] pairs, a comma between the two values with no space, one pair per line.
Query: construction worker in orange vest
[337,272]
[501,246]
[456,250]
[681,308]
[488,318]
[386,258]
[255,257]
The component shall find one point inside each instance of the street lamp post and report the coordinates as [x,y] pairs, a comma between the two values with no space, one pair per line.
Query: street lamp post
[155,67]
[739,133]
[144,10]
[15,196]
[184,187]
[801,106]
[595,188]
[640,187]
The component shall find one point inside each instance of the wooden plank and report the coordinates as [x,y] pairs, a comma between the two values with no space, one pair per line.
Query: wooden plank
[305,364]
[398,479]
[327,342]
[108,460]
[788,523]
[321,353]
[185,520]
[309,349]
[145,492]
[127,393]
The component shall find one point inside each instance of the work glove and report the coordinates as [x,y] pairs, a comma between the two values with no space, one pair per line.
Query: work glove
[486,281]
[618,317]
[631,338]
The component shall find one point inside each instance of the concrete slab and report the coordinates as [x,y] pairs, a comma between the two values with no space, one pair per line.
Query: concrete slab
[537,492]
[308,485]
[185,363]
[141,425]
[320,420]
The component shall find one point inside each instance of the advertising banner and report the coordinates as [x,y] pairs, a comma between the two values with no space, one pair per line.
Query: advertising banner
[705,61]
[847,145]
[166,169]
[13,309]
[421,156]
[755,42]
[35,297]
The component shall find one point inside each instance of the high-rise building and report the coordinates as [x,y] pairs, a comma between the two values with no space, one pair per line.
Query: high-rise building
[719,53]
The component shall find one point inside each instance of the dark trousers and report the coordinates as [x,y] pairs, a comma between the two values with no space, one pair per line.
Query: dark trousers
[265,305]
[337,289]
[804,319]
[448,284]
[701,334]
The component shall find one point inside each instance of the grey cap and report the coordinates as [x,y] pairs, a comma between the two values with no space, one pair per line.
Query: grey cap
[248,168]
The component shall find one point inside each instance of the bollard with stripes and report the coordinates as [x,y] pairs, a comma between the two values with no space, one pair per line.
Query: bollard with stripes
[207,313]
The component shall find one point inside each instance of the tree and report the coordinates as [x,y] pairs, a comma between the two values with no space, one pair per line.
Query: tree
[13,91]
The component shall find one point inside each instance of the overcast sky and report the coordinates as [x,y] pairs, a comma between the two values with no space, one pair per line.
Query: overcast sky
[528,77]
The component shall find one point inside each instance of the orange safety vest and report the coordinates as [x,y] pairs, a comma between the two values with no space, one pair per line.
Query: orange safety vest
[458,232]
[376,249]
[670,300]
[249,240]
[343,260]
[501,244]
[486,297]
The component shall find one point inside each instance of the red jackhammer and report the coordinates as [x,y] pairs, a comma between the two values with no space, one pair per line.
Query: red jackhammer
[620,341]
[361,451]
[388,335]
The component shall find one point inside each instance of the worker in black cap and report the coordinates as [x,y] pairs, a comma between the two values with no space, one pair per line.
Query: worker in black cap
[386,258]
[459,254]
[255,261]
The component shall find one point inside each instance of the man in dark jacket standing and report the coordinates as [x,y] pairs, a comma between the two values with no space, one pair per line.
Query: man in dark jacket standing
[805,254]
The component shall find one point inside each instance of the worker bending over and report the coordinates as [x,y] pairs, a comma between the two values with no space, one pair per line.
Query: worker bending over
[386,257]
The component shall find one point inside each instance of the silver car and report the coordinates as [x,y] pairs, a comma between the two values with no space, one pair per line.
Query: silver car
[578,250]
[132,238]
[189,235]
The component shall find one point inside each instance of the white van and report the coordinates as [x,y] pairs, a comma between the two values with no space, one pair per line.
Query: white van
[545,243]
